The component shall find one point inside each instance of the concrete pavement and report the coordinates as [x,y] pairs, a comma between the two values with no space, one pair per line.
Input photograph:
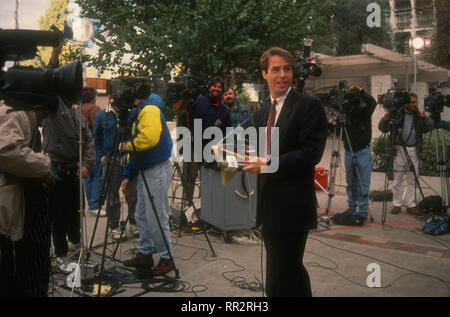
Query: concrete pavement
[341,260]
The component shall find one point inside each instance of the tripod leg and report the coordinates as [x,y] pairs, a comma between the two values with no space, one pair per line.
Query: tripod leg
[413,168]
[384,209]
[335,155]
[196,212]
[442,162]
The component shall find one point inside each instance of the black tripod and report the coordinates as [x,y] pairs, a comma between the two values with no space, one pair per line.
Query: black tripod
[441,159]
[190,201]
[341,124]
[395,138]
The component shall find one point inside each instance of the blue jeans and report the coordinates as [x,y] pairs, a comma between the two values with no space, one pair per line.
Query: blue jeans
[93,185]
[158,179]
[357,196]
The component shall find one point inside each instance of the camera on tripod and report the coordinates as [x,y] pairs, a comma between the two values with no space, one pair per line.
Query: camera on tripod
[305,66]
[28,88]
[393,100]
[124,92]
[436,101]
[341,99]
[184,90]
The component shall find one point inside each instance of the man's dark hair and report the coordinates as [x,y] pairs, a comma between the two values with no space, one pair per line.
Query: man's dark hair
[142,92]
[88,94]
[228,88]
[411,94]
[264,60]
[216,80]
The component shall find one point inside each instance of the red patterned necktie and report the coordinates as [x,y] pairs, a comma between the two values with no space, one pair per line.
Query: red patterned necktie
[271,123]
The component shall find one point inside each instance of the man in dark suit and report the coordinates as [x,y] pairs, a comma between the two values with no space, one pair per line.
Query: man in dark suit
[286,200]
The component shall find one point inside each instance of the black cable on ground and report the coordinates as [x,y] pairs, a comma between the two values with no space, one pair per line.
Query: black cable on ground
[333,269]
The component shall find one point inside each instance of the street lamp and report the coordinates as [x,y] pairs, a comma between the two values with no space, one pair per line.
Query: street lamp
[417,43]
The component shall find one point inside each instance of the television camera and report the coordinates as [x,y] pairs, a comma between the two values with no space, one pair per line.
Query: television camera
[305,66]
[124,91]
[29,88]
[184,90]
[393,100]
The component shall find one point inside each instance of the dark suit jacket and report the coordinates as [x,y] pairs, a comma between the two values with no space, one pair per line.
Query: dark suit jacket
[287,202]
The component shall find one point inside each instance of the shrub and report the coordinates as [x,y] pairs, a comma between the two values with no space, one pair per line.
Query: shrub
[428,164]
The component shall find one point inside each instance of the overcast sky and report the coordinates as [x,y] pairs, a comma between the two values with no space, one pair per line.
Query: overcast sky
[29,13]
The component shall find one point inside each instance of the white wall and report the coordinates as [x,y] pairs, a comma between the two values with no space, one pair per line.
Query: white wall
[379,84]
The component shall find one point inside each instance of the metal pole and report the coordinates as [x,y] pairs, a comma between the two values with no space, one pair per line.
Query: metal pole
[415,70]
[16,14]
[83,232]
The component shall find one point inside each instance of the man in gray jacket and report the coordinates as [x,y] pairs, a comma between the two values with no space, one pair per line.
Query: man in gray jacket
[24,220]
[61,134]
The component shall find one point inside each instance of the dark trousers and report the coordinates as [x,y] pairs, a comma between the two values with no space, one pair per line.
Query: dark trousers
[25,264]
[64,203]
[131,200]
[285,274]
[113,166]
[189,178]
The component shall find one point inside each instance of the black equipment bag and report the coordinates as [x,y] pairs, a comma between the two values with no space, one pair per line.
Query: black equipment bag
[431,205]
[348,218]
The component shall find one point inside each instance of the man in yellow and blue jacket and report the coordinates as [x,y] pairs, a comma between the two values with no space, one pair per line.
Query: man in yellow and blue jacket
[150,153]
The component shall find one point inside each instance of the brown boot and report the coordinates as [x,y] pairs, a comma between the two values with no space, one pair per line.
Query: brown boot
[396,210]
[164,266]
[140,260]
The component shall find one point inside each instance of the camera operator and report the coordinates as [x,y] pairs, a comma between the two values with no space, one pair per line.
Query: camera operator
[153,145]
[411,124]
[359,117]
[60,141]
[210,109]
[24,220]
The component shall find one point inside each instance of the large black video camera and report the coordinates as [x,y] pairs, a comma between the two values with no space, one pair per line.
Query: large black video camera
[305,66]
[124,92]
[393,100]
[341,99]
[28,88]
[436,101]
[184,90]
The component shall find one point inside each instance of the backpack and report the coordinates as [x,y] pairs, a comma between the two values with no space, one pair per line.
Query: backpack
[436,226]
[431,205]
[349,218]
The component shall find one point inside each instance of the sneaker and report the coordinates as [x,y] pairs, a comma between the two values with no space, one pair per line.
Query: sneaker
[164,266]
[412,211]
[95,212]
[133,231]
[116,233]
[140,260]
[396,210]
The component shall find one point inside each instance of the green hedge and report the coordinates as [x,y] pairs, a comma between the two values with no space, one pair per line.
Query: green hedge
[428,166]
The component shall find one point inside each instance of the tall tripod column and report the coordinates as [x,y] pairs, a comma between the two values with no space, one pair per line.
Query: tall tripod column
[441,159]
[333,167]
